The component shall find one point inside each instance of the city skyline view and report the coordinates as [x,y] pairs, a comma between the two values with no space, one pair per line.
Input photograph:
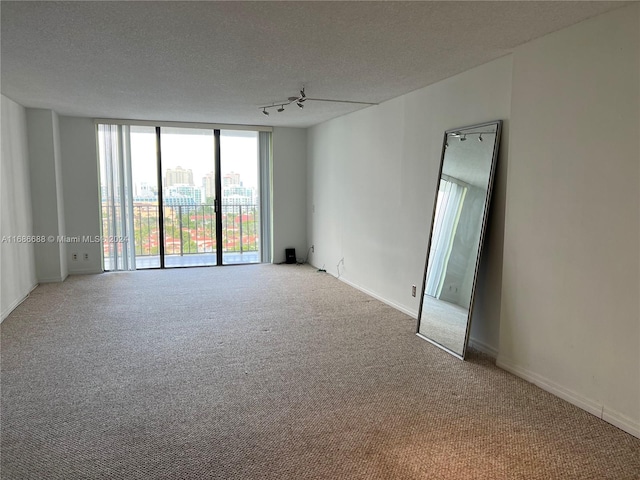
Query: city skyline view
[188,213]
[180,182]
[193,149]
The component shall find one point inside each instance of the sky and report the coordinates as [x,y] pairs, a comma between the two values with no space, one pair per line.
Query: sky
[194,149]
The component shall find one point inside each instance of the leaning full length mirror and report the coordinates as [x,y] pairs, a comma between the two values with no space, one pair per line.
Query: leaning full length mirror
[457,231]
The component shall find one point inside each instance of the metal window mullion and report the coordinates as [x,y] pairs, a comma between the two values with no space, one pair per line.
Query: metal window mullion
[218,182]
[160,198]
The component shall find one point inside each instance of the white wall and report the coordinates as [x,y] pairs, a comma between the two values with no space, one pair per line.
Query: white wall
[57,156]
[564,301]
[570,311]
[81,192]
[372,178]
[17,268]
[289,175]
[46,194]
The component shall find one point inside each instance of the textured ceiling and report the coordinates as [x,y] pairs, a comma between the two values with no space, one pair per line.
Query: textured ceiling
[216,62]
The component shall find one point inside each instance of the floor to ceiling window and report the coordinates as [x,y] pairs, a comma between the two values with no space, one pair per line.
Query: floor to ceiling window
[144,182]
[180,196]
[239,193]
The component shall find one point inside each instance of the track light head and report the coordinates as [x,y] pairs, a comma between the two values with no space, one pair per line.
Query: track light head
[264,111]
[281,109]
[463,138]
[480,139]
[300,105]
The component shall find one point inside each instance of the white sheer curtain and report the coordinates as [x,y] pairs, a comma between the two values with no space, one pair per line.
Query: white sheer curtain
[448,207]
[116,194]
[264,147]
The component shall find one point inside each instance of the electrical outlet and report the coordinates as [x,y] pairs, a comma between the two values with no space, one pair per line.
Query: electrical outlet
[313,248]
[74,257]
[85,257]
[413,290]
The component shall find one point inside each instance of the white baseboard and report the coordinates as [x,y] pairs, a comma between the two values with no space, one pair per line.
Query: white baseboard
[475,343]
[411,313]
[483,347]
[52,279]
[616,419]
[15,304]
[621,421]
[88,271]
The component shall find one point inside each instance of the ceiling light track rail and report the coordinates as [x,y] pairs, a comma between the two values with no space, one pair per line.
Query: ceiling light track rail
[300,102]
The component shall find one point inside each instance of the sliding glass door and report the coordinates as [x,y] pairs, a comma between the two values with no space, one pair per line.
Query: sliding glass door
[180,197]
[188,197]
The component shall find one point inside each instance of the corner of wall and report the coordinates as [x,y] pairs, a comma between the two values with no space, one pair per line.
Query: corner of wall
[46,193]
[79,171]
[289,181]
[18,272]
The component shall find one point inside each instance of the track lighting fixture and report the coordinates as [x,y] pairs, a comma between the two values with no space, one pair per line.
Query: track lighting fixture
[463,136]
[301,98]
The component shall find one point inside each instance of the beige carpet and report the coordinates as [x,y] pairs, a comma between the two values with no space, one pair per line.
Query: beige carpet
[271,372]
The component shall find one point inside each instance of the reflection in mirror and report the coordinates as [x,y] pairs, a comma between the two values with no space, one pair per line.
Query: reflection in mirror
[457,231]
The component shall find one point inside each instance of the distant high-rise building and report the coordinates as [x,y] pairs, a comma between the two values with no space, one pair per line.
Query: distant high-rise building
[231,179]
[145,192]
[186,195]
[209,184]
[144,189]
[178,176]
[234,194]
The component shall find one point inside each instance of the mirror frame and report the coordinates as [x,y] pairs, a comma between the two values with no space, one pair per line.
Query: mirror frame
[483,228]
